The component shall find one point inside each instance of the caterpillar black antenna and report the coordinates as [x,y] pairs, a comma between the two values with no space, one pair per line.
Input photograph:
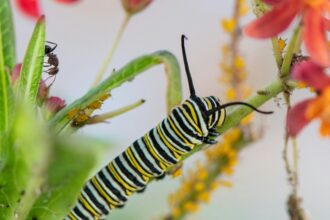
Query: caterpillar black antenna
[212,111]
[186,66]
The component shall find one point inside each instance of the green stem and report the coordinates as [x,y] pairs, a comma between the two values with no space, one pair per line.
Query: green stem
[236,115]
[295,166]
[112,114]
[112,50]
[277,52]
[287,61]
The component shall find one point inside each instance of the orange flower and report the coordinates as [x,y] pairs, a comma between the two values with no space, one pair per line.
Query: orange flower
[314,24]
[314,108]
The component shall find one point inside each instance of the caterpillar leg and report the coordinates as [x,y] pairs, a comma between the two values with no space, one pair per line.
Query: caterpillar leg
[213,133]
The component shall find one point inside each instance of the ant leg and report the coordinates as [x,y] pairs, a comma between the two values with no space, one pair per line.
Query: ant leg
[50,85]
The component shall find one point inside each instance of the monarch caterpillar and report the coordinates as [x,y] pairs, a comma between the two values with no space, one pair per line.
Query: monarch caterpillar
[148,157]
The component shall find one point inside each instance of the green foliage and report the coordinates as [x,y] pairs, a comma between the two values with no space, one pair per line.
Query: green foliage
[33,63]
[7,35]
[69,166]
[127,73]
[7,58]
[39,175]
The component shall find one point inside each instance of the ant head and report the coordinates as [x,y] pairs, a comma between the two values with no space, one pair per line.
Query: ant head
[48,49]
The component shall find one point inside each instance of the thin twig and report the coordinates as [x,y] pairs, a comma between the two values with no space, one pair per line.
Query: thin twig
[112,50]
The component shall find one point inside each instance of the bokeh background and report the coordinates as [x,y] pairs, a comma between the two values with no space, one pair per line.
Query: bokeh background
[84,33]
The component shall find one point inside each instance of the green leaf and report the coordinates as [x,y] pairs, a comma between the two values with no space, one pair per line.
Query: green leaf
[5,91]
[127,73]
[7,35]
[22,172]
[33,63]
[66,176]
[6,60]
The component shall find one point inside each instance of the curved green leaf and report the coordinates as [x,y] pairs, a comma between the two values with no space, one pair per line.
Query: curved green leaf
[7,35]
[33,63]
[127,73]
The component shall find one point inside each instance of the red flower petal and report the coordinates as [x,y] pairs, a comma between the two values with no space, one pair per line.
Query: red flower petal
[314,36]
[30,8]
[296,119]
[275,21]
[273,2]
[311,73]
[326,24]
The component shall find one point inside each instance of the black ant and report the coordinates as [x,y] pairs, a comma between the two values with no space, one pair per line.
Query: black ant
[52,60]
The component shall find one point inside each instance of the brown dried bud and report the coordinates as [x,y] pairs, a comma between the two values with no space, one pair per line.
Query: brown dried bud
[54,104]
[135,6]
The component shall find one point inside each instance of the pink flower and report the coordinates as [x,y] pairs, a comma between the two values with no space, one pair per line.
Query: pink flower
[31,8]
[54,104]
[283,13]
[314,108]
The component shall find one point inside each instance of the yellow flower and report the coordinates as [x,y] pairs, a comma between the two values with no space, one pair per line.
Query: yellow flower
[239,63]
[231,94]
[228,25]
[247,120]
[190,207]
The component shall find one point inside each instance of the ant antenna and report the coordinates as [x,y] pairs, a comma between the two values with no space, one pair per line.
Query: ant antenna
[238,103]
[186,66]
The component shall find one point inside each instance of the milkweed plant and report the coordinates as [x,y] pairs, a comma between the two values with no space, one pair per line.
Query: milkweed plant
[40,180]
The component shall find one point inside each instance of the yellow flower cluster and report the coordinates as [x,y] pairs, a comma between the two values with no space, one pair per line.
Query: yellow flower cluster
[232,63]
[220,159]
[202,180]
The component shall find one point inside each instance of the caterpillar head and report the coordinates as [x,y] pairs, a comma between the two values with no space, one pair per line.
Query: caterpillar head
[206,106]
[214,113]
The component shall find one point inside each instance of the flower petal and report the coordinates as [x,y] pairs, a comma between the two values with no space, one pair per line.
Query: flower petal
[273,22]
[296,119]
[311,73]
[326,24]
[273,2]
[30,8]
[314,36]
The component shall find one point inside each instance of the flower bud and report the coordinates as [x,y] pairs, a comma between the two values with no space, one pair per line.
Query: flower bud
[54,104]
[135,6]
[42,90]
[15,73]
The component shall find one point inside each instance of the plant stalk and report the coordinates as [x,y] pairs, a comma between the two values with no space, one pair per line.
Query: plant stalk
[111,52]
